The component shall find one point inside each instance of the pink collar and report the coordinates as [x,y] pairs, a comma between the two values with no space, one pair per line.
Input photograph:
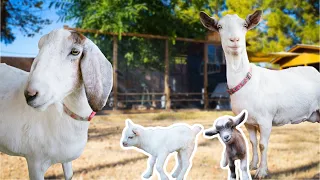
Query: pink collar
[77,117]
[241,84]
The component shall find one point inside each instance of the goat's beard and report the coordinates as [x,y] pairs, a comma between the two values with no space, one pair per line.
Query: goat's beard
[235,53]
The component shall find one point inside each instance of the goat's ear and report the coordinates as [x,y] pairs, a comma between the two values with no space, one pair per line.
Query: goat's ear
[97,76]
[42,40]
[254,19]
[129,123]
[208,22]
[240,117]
[136,131]
[211,132]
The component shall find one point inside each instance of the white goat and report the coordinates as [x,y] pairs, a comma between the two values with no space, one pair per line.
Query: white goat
[159,142]
[271,97]
[69,79]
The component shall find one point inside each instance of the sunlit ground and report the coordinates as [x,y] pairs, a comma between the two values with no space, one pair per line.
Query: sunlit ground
[294,151]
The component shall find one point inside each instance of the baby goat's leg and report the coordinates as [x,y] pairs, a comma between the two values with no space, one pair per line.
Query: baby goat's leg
[244,169]
[224,161]
[67,170]
[179,166]
[159,165]
[185,158]
[149,171]
[254,142]
[232,168]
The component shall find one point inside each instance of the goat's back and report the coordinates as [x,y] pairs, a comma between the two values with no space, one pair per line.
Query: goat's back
[308,72]
[11,78]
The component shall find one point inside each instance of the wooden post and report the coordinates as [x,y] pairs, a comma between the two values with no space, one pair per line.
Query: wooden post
[166,76]
[205,75]
[115,75]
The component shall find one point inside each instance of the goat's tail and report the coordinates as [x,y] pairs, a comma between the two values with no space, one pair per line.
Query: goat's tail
[197,128]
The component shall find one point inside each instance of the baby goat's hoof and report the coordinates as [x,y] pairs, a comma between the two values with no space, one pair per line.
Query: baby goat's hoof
[224,163]
[261,173]
[253,166]
[147,175]
[175,174]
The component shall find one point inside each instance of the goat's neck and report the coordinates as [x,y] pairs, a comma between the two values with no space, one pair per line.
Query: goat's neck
[237,68]
[145,141]
[77,102]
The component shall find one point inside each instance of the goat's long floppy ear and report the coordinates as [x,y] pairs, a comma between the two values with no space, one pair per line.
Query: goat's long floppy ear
[208,22]
[96,74]
[254,19]
[240,117]
[211,132]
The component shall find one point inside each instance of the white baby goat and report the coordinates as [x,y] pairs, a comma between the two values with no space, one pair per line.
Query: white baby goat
[159,142]
[69,79]
[271,97]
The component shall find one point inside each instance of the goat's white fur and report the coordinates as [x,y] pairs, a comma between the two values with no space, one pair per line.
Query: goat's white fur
[159,142]
[271,97]
[45,135]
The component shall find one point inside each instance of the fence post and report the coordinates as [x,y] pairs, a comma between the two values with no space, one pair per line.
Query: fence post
[115,75]
[205,75]
[166,76]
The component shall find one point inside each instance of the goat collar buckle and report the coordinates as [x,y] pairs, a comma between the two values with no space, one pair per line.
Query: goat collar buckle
[241,84]
[77,117]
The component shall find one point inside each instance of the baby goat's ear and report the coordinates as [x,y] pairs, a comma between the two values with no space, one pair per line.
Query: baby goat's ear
[129,123]
[240,117]
[136,131]
[96,74]
[211,132]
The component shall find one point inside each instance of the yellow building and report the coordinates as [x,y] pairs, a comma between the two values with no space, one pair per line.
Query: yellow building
[299,55]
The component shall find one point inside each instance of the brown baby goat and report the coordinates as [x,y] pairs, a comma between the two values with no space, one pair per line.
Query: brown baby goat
[235,143]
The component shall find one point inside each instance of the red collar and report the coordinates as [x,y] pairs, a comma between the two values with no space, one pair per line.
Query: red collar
[77,117]
[241,84]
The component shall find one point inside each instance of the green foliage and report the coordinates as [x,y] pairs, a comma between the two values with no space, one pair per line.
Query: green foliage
[285,23]
[23,15]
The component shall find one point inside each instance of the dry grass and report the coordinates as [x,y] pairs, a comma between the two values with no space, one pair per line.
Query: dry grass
[294,151]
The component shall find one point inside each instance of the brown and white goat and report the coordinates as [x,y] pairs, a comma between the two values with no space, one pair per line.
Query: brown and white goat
[235,143]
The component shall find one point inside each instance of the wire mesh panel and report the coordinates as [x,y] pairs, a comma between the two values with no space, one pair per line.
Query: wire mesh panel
[141,61]
[186,81]
[140,73]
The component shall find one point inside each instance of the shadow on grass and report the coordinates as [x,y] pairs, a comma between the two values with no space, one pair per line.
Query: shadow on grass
[286,172]
[101,166]
[109,165]
[290,171]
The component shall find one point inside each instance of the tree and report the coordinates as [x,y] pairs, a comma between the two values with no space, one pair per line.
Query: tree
[285,23]
[24,15]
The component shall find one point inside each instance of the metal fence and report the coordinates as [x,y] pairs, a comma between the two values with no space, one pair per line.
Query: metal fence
[157,72]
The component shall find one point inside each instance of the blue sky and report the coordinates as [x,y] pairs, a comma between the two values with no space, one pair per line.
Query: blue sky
[28,46]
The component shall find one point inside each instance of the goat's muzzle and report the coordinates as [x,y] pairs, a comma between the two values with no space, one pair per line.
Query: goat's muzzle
[30,95]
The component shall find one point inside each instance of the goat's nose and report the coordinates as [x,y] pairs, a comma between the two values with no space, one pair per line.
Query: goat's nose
[30,94]
[125,144]
[234,39]
[226,137]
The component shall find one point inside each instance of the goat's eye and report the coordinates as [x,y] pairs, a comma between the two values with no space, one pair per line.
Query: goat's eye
[74,51]
[130,137]
[245,25]
[219,27]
